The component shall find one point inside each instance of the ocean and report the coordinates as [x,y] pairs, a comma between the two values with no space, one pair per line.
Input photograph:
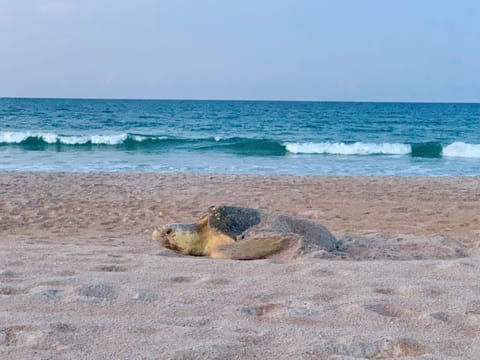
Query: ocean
[240,137]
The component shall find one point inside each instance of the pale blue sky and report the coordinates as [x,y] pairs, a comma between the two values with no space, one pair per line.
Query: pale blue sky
[373,50]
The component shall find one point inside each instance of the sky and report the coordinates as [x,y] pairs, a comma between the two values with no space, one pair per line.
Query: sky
[345,50]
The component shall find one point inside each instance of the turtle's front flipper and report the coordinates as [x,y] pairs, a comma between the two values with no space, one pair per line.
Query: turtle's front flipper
[250,249]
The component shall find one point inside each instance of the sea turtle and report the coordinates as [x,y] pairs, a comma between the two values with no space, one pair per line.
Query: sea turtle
[230,232]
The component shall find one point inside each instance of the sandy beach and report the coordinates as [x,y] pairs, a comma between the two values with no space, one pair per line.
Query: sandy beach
[80,277]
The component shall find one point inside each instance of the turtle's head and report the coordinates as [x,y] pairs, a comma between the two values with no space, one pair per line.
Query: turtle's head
[183,238]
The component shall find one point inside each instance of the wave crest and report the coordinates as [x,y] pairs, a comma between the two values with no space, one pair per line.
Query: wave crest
[234,145]
[358,148]
[461,149]
[11,137]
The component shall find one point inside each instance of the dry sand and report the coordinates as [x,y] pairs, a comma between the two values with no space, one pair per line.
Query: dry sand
[81,279]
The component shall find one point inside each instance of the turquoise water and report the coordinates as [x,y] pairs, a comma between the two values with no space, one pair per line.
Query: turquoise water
[245,137]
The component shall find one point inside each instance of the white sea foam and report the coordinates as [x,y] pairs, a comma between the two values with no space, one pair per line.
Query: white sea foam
[74,140]
[12,137]
[461,149]
[8,137]
[357,148]
[139,138]
[48,137]
[108,139]
[15,137]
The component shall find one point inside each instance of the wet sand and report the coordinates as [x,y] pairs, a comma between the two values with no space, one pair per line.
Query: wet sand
[80,277]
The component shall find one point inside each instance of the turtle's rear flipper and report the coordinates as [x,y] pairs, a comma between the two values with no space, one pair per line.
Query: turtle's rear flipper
[255,248]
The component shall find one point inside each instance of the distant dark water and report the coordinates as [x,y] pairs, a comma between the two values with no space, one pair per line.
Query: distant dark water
[322,138]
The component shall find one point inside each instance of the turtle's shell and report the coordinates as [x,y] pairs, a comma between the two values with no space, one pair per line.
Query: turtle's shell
[233,221]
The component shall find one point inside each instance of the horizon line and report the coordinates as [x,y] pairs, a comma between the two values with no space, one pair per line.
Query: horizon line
[241,100]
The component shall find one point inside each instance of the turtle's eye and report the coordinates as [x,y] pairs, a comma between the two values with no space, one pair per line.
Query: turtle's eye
[168,231]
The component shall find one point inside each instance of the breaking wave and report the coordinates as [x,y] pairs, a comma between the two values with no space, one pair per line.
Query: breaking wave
[232,145]
[461,149]
[357,148]
[425,150]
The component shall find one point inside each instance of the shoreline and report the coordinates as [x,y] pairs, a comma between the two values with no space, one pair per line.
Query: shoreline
[159,173]
[80,276]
